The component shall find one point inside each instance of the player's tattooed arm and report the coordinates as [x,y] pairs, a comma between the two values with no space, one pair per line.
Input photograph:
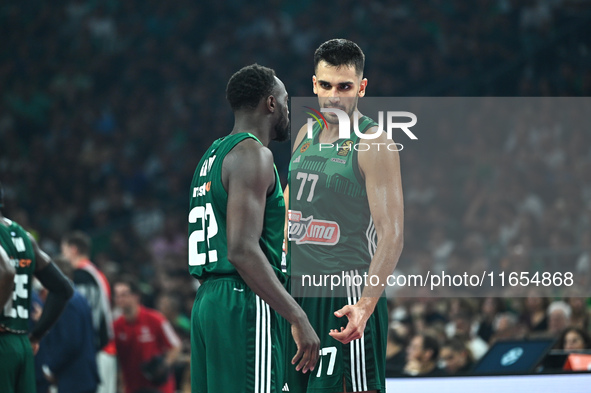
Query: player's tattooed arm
[248,175]
[381,170]
[7,273]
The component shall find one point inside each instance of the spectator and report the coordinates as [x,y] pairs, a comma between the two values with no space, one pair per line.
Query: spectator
[559,314]
[147,345]
[490,308]
[93,285]
[462,322]
[456,357]
[580,313]
[395,354]
[506,326]
[421,357]
[574,339]
[67,355]
[535,316]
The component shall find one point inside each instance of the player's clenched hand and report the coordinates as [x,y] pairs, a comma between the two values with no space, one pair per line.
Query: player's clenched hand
[358,317]
[308,345]
[34,345]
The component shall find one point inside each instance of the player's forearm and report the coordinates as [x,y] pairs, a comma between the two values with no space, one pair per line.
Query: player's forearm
[257,273]
[382,265]
[60,291]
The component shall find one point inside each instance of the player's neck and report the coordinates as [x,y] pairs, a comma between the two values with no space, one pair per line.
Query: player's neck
[253,124]
[330,134]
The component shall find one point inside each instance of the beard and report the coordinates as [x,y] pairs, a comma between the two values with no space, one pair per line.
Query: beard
[282,130]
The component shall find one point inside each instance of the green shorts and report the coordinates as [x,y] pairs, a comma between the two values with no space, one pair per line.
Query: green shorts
[234,341]
[360,364]
[17,368]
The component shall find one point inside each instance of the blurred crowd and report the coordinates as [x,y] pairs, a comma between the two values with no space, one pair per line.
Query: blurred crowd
[107,106]
[448,336]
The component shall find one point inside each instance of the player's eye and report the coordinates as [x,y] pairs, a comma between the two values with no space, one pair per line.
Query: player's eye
[345,87]
[325,85]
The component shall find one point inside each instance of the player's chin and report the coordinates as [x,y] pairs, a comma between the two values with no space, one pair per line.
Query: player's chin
[282,134]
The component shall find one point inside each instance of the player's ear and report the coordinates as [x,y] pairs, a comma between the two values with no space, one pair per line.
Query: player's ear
[314,84]
[362,86]
[271,103]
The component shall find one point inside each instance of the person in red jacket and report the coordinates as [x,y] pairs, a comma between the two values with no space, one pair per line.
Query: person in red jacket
[146,342]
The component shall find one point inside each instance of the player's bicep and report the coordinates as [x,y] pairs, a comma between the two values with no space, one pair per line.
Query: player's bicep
[41,258]
[381,170]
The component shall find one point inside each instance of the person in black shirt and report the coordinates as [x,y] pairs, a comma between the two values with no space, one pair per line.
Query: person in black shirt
[456,357]
[395,354]
[421,357]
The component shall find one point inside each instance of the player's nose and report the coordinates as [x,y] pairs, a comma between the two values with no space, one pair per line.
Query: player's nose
[334,92]
[334,100]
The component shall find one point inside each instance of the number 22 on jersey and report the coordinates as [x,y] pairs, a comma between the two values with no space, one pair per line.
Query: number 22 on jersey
[207,217]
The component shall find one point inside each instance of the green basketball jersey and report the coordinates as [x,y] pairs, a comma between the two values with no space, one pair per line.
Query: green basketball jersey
[16,243]
[330,225]
[208,247]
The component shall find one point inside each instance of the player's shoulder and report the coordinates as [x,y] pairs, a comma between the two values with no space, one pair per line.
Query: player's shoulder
[250,146]
[250,154]
[374,129]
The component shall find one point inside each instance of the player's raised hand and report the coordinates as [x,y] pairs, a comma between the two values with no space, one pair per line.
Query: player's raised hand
[308,345]
[357,320]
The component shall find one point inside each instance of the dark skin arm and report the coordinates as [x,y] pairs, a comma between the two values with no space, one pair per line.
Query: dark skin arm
[248,176]
[7,273]
[41,258]
[60,290]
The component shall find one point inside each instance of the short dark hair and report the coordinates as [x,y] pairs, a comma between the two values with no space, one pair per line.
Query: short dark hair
[80,240]
[340,52]
[249,85]
[131,283]
[431,343]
